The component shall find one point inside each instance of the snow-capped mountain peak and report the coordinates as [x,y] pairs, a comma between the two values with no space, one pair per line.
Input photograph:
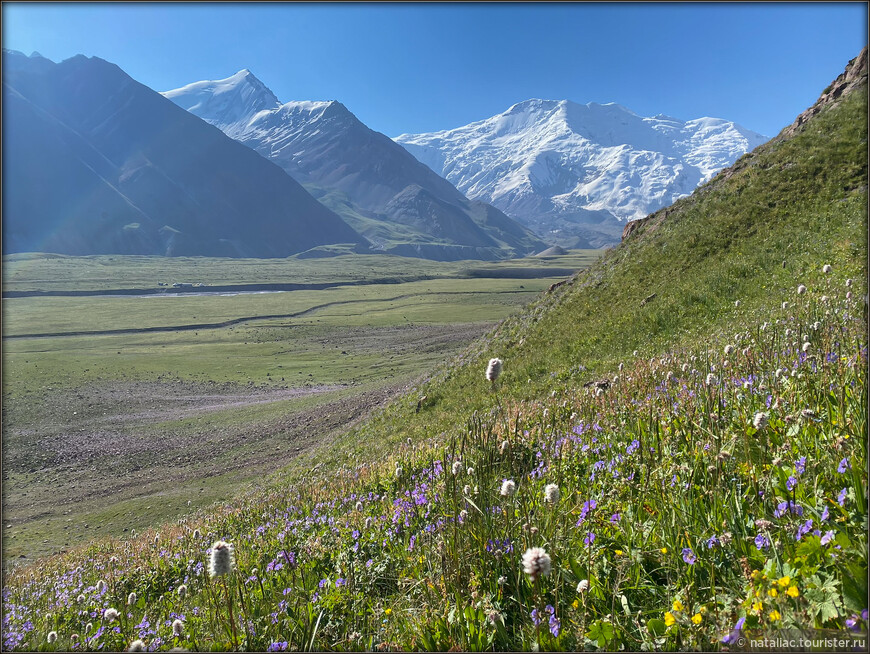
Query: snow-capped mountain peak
[225,103]
[556,164]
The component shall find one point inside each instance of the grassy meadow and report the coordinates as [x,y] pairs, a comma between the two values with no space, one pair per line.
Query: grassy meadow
[225,387]
[673,457]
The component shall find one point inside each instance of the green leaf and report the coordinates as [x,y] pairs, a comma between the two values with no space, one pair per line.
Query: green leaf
[656,627]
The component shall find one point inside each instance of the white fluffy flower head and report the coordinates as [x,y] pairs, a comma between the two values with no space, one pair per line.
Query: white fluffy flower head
[508,487]
[536,563]
[221,562]
[493,370]
[552,493]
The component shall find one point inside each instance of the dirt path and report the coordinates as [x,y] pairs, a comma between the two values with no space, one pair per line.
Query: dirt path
[237,321]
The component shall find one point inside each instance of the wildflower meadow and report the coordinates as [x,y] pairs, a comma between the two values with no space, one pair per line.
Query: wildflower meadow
[701,494]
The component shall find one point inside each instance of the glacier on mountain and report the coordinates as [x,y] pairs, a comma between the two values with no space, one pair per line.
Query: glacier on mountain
[574,173]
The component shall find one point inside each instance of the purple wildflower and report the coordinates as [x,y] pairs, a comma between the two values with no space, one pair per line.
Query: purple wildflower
[761,541]
[825,515]
[800,465]
[828,537]
[841,498]
[804,529]
[735,632]
[791,482]
[614,519]
[689,556]
[536,618]
[844,466]
[590,538]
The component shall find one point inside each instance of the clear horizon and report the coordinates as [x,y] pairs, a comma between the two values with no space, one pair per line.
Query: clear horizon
[404,68]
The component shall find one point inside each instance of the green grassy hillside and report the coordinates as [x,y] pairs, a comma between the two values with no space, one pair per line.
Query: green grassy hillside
[711,487]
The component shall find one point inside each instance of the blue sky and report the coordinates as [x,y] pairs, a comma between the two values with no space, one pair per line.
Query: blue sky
[424,67]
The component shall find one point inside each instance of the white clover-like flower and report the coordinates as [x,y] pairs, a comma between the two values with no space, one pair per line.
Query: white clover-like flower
[136,646]
[785,305]
[456,468]
[398,471]
[359,506]
[101,586]
[131,599]
[801,289]
[729,349]
[736,303]
[52,636]
[760,420]
[503,446]
[826,268]
[536,563]
[470,471]
[552,493]
[508,487]
[685,367]
[177,628]
[221,562]
[806,347]
[583,586]
[463,515]
[182,591]
[110,615]
[711,379]
[493,370]
[466,490]
[849,282]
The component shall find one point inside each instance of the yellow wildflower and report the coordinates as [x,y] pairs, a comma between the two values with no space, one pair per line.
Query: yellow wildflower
[758,606]
[792,591]
[664,550]
[388,611]
[784,581]
[772,592]
[678,605]
[774,615]
[618,552]
[697,618]
[670,619]
[575,604]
